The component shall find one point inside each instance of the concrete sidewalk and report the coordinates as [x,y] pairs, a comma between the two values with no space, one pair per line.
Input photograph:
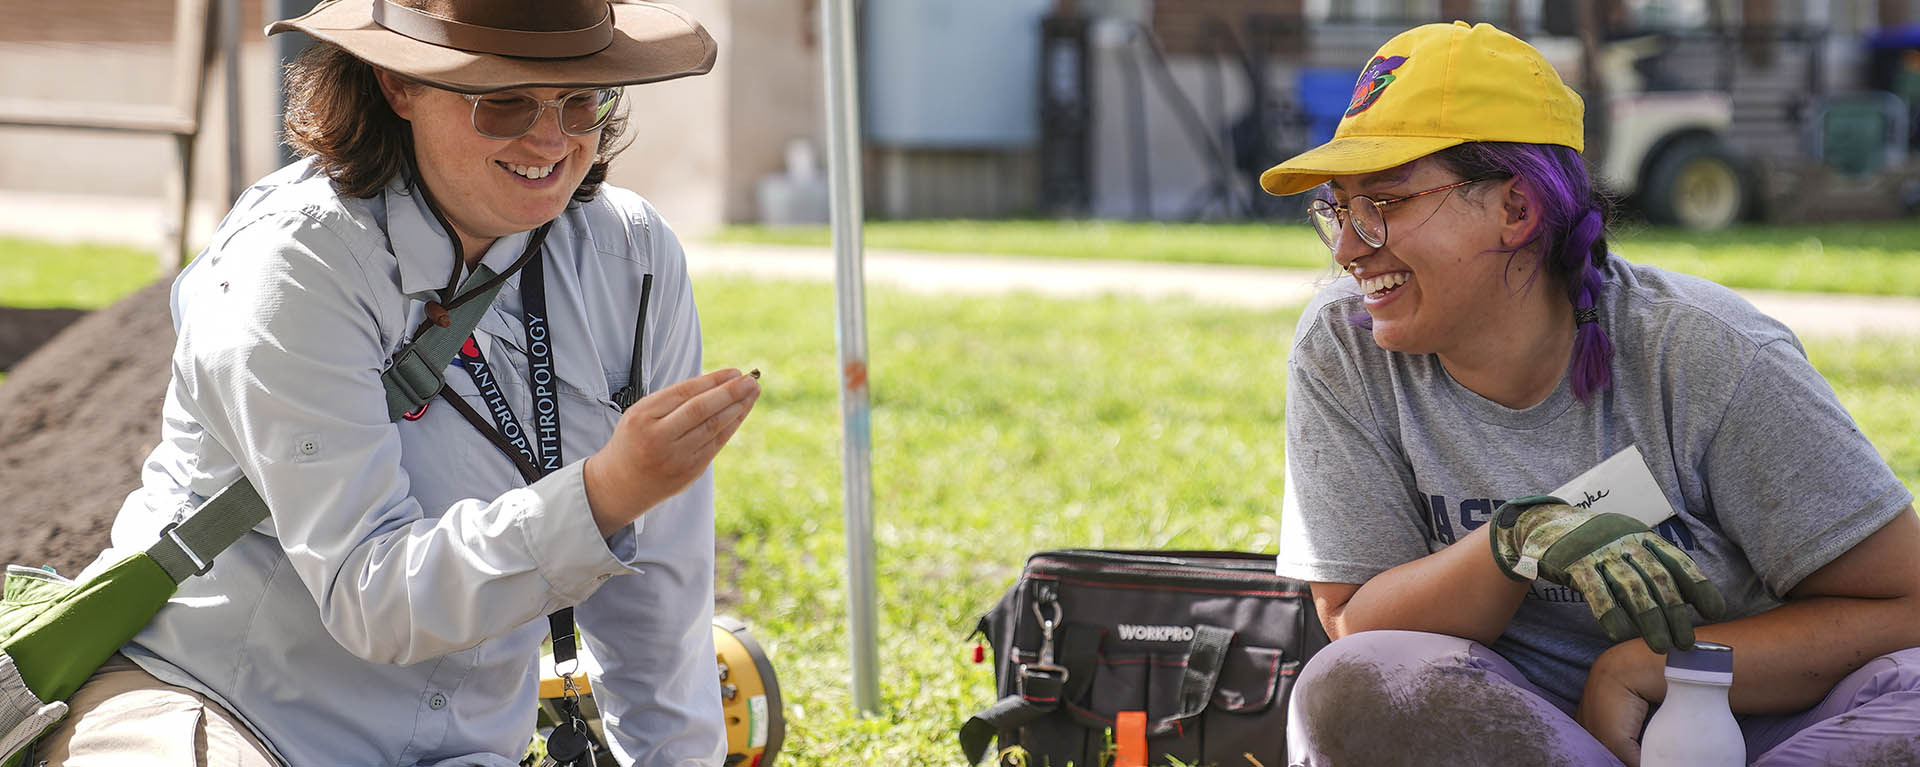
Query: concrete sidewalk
[976,274]
[137,222]
[1809,314]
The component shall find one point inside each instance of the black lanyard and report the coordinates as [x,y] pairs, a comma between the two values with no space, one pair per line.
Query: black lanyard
[504,430]
[506,433]
[540,368]
[546,401]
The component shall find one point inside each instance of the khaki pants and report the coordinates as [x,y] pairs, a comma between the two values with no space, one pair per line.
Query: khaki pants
[125,716]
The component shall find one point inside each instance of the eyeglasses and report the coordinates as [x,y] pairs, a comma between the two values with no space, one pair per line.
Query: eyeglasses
[511,115]
[1368,220]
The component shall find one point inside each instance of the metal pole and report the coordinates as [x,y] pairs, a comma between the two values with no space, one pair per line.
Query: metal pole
[230,66]
[286,46]
[849,281]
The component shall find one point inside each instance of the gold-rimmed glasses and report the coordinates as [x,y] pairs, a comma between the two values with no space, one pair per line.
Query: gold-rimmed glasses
[1365,215]
[509,115]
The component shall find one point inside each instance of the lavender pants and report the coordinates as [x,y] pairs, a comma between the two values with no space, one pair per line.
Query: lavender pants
[1383,698]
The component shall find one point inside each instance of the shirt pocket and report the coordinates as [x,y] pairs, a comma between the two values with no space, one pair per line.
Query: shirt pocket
[446,458]
[587,414]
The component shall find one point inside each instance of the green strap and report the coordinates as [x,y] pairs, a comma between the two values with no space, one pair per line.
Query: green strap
[186,548]
[414,378]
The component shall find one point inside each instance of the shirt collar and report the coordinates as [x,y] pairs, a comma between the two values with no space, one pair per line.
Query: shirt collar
[424,251]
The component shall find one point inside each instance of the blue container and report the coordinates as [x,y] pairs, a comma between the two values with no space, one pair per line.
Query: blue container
[1324,96]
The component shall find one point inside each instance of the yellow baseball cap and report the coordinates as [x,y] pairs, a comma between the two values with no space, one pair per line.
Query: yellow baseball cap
[1436,86]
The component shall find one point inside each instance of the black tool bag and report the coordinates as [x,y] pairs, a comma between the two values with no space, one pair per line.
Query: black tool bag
[1206,643]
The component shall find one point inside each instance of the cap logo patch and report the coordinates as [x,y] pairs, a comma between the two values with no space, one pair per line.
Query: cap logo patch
[1373,81]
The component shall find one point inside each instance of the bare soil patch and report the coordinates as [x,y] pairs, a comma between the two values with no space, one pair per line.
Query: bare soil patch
[77,415]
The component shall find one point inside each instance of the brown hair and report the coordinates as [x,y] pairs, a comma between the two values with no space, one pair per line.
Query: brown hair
[336,114]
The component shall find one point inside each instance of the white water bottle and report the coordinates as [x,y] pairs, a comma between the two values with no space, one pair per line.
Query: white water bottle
[1694,727]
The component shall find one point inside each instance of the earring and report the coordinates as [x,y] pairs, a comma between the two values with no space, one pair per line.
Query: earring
[1523,214]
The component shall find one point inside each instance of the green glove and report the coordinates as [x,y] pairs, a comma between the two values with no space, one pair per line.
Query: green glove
[1634,581]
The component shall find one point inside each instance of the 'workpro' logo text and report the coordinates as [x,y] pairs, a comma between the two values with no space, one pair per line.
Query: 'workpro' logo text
[1136,633]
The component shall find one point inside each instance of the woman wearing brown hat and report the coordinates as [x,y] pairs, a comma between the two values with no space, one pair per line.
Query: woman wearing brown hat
[391,609]
[1489,351]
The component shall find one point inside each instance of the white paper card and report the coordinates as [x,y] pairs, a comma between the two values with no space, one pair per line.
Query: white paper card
[1619,485]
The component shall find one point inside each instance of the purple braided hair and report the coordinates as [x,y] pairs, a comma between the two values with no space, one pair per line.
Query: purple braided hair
[1572,234]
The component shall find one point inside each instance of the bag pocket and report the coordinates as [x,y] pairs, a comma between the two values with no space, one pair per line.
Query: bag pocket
[1248,713]
[1244,713]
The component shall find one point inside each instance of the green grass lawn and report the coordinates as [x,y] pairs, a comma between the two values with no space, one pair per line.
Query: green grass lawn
[1003,426]
[39,275]
[1878,257]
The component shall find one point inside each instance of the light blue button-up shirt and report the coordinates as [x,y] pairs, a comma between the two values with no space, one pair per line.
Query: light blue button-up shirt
[391,610]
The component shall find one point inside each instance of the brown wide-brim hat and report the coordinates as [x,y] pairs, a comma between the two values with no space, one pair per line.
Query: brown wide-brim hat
[480,46]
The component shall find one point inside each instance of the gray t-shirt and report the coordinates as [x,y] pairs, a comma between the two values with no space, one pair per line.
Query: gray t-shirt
[1389,459]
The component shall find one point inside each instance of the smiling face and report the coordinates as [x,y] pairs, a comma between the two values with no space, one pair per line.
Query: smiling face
[1443,282]
[490,188]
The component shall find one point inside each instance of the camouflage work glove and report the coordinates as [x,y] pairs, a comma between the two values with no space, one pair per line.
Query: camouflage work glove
[1635,582]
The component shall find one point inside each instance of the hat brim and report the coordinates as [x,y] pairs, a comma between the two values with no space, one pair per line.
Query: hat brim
[651,42]
[1347,156]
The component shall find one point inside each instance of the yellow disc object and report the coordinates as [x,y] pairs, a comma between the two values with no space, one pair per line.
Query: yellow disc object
[749,696]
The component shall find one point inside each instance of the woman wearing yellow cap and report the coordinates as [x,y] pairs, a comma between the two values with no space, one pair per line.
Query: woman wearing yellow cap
[1519,468]
[391,608]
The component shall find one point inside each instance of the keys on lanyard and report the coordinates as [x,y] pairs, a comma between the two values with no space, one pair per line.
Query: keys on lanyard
[569,746]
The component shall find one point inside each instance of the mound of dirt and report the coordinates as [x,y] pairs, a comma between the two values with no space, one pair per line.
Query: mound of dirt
[77,416]
[24,330]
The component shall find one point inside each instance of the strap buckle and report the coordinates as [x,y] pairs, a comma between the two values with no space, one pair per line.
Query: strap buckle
[1047,625]
[413,377]
[1042,682]
[1044,679]
[201,566]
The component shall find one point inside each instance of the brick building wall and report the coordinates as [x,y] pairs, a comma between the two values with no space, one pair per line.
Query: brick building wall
[105,21]
[1185,27]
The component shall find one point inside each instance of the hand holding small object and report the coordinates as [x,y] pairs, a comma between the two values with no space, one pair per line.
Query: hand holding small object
[663,443]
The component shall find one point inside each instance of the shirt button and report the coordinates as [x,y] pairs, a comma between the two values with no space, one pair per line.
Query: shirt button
[437,702]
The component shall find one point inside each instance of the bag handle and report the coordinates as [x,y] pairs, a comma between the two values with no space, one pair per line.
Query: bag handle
[1038,691]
